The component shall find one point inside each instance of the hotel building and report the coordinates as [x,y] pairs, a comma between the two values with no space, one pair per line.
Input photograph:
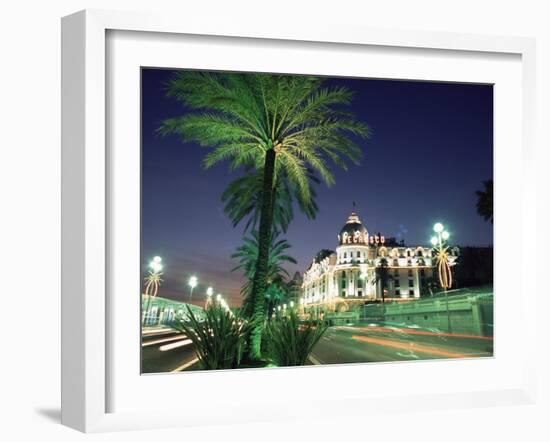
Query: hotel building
[363,268]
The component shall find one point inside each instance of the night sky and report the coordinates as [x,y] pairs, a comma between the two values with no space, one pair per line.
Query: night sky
[431,148]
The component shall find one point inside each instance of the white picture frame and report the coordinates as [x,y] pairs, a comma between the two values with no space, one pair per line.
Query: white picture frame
[87,208]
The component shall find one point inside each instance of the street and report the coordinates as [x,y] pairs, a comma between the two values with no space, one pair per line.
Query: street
[165,350]
[380,343]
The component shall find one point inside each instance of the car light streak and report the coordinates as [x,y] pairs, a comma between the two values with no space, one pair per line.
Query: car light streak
[186,365]
[420,348]
[412,331]
[160,341]
[175,345]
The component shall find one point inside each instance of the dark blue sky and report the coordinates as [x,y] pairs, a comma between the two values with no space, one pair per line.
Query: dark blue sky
[431,147]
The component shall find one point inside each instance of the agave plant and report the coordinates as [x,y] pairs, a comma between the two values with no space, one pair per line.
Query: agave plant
[218,339]
[291,342]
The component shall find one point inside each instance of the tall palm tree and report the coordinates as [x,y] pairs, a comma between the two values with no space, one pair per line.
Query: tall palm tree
[484,204]
[247,254]
[243,200]
[276,123]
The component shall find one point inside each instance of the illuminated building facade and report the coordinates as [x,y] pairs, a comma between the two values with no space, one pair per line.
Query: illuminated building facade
[363,268]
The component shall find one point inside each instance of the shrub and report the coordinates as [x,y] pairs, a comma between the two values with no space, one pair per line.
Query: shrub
[289,341]
[219,338]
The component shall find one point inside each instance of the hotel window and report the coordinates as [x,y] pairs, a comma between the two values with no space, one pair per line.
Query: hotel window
[359,292]
[410,273]
[411,283]
[411,292]
[359,283]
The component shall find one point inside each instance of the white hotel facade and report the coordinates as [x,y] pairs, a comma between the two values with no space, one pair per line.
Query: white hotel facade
[348,275]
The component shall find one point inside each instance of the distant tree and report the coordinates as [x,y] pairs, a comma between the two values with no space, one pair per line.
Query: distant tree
[484,204]
[382,276]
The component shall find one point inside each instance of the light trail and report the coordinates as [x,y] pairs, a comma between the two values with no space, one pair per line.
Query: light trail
[412,331]
[160,341]
[175,345]
[410,346]
[186,365]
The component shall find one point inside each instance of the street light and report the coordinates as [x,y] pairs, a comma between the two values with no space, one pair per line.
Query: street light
[193,281]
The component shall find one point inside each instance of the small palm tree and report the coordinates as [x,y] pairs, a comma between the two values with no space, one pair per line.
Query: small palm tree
[382,276]
[247,254]
[152,281]
[484,204]
[279,124]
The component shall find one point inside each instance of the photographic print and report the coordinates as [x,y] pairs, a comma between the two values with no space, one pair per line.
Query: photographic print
[299,220]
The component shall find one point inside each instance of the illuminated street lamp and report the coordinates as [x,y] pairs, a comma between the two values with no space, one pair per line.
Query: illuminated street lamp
[193,281]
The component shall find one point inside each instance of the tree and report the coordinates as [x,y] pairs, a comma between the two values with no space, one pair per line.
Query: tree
[484,203]
[242,200]
[279,124]
[382,276]
[247,254]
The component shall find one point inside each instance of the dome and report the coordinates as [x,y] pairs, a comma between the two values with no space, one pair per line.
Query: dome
[353,232]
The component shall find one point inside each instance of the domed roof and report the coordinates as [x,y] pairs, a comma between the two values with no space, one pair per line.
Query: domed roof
[353,232]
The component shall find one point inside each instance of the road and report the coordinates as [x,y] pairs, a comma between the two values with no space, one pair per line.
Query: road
[165,350]
[382,343]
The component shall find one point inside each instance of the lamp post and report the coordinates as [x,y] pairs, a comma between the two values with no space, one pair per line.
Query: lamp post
[443,267]
[193,281]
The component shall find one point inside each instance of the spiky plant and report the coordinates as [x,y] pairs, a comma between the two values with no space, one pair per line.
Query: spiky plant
[276,123]
[291,342]
[219,339]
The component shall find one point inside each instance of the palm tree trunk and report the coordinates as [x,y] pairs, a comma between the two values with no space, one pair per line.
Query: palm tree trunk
[259,283]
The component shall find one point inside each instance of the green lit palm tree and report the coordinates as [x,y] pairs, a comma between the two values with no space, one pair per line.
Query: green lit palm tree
[278,124]
[484,203]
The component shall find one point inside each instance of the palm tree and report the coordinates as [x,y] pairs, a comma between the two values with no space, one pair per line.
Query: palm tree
[152,284]
[279,124]
[382,276]
[276,274]
[242,200]
[484,204]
